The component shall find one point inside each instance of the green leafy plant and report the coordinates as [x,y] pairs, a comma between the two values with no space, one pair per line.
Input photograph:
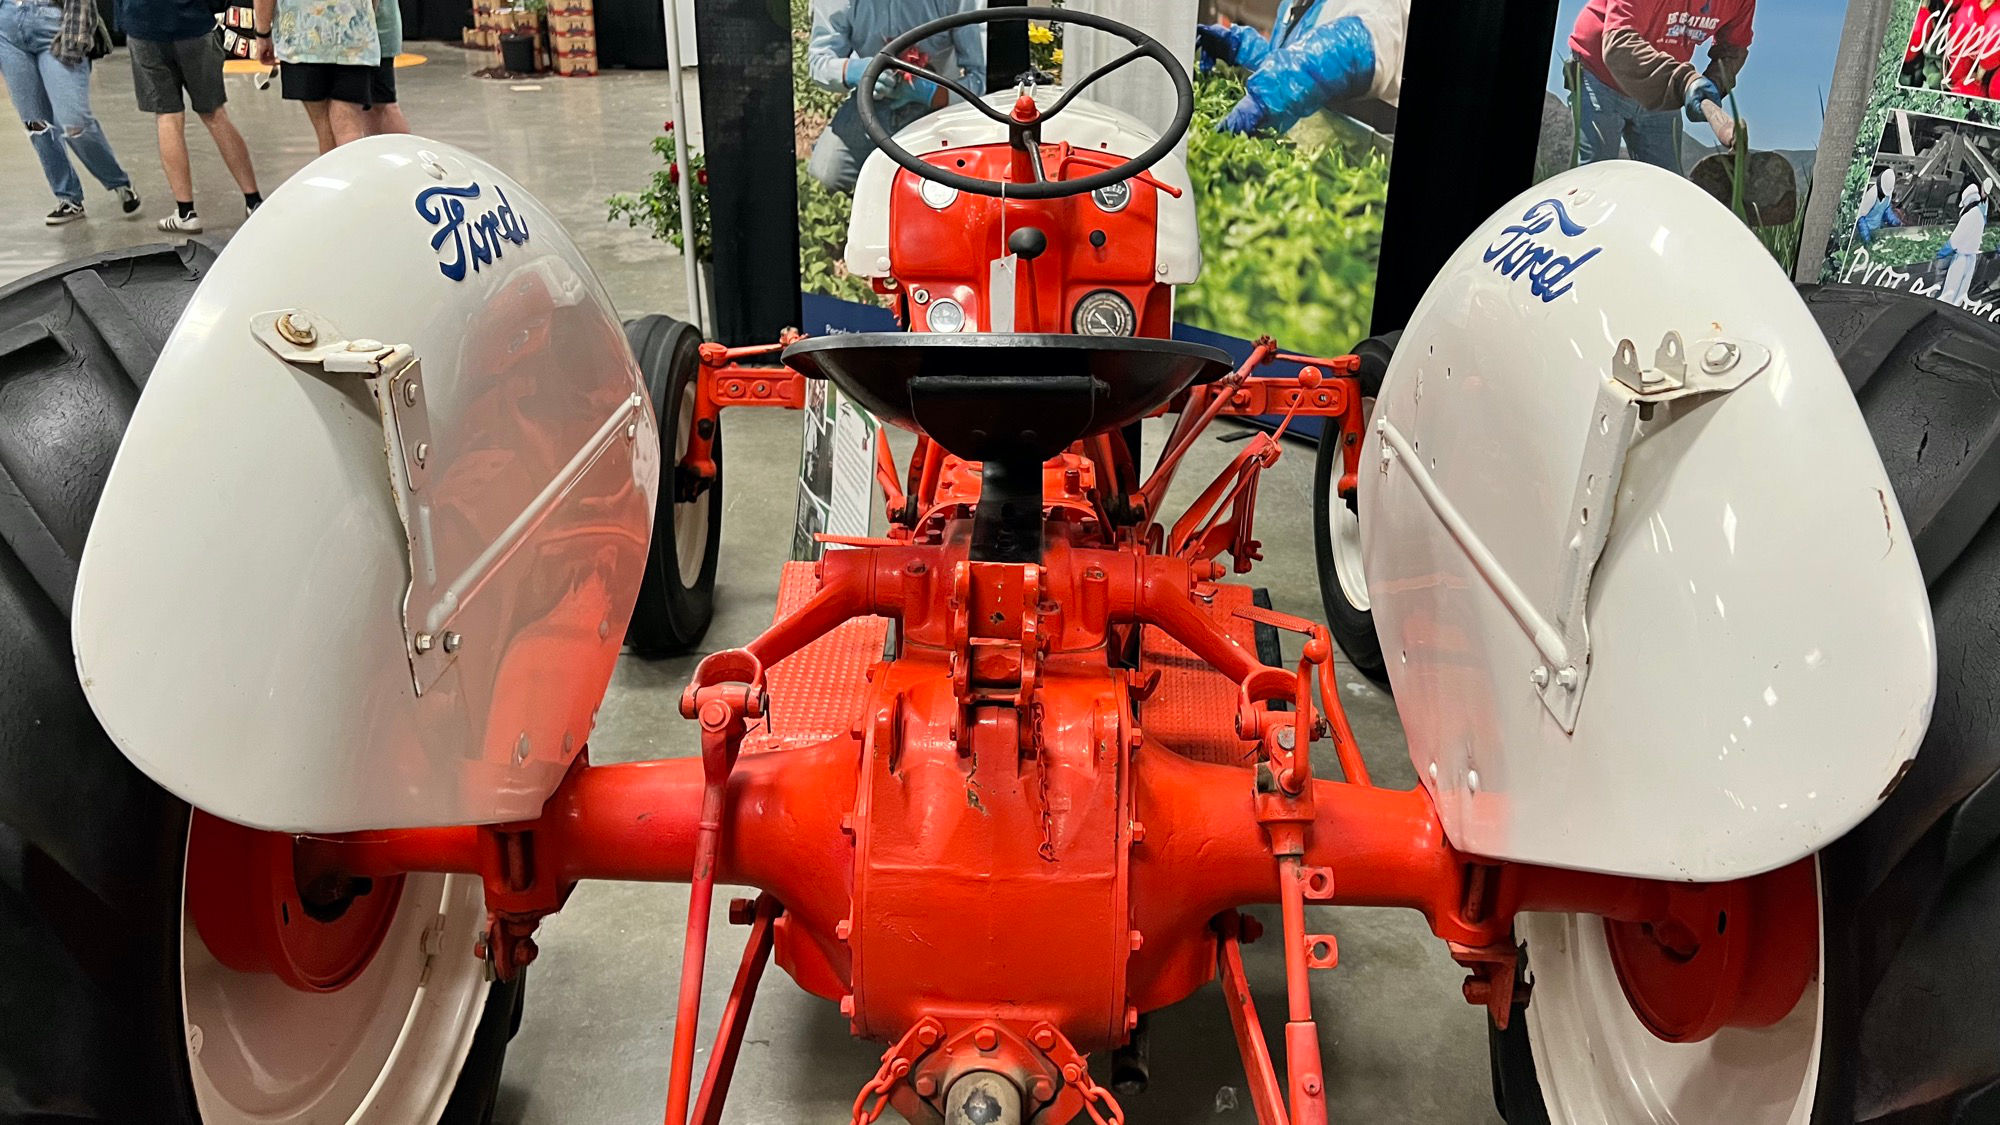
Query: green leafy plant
[657,209]
[1291,232]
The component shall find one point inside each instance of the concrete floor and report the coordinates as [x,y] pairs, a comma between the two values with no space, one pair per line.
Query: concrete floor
[1401,1046]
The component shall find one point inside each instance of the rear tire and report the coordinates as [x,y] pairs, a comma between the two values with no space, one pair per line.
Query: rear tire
[1909,1032]
[1343,585]
[677,598]
[92,852]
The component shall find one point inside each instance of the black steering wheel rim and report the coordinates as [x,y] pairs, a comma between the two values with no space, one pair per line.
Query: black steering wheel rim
[1144,46]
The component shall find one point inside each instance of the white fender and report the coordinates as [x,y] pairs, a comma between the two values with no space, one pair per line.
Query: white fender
[1653,613]
[249,623]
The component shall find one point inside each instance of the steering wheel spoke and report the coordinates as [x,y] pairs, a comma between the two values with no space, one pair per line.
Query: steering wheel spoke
[1025,135]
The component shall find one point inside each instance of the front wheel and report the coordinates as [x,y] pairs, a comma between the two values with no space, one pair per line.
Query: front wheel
[1343,582]
[677,597]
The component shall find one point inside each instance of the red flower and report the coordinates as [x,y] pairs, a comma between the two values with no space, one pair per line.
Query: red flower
[701,176]
[674,173]
[668,127]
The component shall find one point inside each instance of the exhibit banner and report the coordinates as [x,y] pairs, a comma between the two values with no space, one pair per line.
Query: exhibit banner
[1295,105]
[1914,210]
[1614,96]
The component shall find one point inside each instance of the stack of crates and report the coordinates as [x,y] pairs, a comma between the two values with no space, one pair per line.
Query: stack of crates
[573,37]
[493,18]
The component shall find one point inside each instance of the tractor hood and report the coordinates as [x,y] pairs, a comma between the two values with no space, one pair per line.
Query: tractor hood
[367,553]
[1645,595]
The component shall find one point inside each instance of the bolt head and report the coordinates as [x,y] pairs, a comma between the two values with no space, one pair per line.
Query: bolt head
[1042,1089]
[297,330]
[1540,676]
[1721,356]
[423,452]
[1567,678]
[986,1039]
[451,642]
[424,642]
[1287,738]
[926,1086]
[1045,1038]
[409,394]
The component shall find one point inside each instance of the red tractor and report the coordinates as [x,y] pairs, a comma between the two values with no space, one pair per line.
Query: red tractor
[1003,779]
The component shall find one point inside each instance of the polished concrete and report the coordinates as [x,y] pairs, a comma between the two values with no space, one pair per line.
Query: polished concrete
[1401,1046]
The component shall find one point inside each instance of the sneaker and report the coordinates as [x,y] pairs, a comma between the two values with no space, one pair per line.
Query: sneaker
[128,200]
[176,224]
[64,213]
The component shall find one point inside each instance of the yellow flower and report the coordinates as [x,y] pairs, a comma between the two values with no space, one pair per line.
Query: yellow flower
[1040,34]
[1057,56]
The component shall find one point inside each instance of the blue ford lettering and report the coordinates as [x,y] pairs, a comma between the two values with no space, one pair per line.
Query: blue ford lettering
[474,241]
[1523,253]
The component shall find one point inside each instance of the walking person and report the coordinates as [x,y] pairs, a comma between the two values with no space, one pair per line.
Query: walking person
[175,49]
[45,60]
[387,116]
[329,57]
[1633,74]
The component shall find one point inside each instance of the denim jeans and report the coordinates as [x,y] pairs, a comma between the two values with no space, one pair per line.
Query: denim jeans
[1604,117]
[53,99]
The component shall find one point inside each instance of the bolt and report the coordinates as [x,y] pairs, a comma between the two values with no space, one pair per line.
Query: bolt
[1540,676]
[1722,355]
[842,929]
[194,1039]
[297,330]
[927,1035]
[1138,832]
[451,641]
[986,1039]
[847,1005]
[1567,678]
[1287,738]
[1042,1089]
[522,747]
[365,345]
[631,431]
[1072,1072]
[409,394]
[1310,1084]
[1135,939]
[926,1086]
[762,389]
[424,643]
[423,452]
[1045,1038]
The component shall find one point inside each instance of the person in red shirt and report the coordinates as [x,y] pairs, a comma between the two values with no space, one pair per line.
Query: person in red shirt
[1634,67]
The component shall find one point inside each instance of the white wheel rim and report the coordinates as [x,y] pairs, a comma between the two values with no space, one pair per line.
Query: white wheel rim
[1346,528]
[1597,1063]
[384,1050]
[690,518]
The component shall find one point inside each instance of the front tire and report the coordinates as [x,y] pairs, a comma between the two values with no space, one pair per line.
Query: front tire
[1893,1026]
[1343,583]
[92,853]
[677,598]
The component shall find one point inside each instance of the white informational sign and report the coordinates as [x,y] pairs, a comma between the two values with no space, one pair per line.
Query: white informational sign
[836,470]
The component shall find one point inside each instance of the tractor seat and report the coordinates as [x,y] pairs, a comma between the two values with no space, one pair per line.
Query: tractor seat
[984,396]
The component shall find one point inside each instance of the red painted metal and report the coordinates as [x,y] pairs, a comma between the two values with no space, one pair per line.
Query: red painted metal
[761,916]
[256,915]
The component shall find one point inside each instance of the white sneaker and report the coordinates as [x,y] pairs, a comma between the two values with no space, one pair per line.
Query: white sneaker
[175,224]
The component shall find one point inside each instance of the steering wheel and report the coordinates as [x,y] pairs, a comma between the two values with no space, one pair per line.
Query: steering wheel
[1025,123]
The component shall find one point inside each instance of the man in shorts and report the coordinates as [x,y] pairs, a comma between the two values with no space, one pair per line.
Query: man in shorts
[329,57]
[387,116]
[174,49]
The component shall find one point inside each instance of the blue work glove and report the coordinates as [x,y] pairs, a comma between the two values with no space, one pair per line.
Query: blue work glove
[1945,251]
[1213,44]
[885,83]
[1246,118]
[1703,90]
[919,90]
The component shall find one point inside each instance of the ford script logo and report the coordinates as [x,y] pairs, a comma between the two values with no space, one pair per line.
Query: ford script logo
[1547,264]
[465,239]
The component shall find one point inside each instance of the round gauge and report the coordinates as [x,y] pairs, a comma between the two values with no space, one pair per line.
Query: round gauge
[1105,313]
[945,315]
[1113,198]
[939,196]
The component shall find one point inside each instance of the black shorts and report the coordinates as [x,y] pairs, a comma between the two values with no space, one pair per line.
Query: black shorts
[384,83]
[321,82]
[160,71]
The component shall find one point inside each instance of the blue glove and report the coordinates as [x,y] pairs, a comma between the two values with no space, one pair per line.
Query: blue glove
[1325,66]
[1945,251]
[1246,118]
[1213,43]
[850,76]
[919,90]
[1702,91]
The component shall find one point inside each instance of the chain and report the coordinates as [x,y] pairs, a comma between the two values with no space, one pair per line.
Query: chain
[1095,1096]
[873,1100]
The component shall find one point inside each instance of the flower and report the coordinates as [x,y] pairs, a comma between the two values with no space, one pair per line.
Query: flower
[1039,33]
[668,127]
[674,173]
[1057,56]
[701,176]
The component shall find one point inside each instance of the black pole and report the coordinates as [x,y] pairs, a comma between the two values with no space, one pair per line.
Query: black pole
[1475,74]
[745,52]
[1006,48]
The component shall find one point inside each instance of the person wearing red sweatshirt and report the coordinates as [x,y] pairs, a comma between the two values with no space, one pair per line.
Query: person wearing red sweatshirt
[1635,69]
